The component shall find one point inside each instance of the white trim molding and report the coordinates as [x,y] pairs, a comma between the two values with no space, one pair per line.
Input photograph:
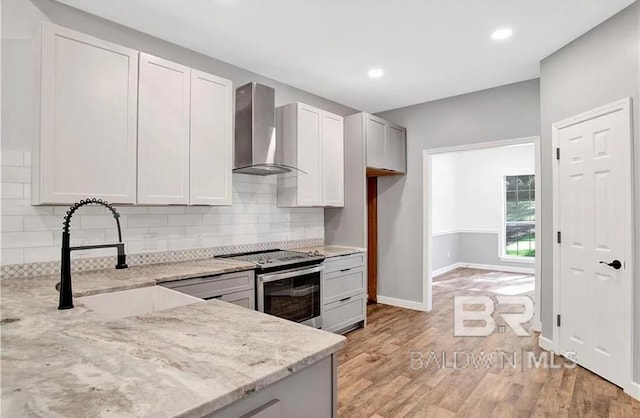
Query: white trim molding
[427,233]
[402,303]
[507,269]
[633,390]
[545,343]
[447,269]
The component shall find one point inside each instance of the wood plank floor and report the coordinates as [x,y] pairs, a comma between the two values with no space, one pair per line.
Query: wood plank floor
[376,377]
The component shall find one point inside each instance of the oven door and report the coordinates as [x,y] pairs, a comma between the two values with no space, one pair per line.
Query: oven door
[295,295]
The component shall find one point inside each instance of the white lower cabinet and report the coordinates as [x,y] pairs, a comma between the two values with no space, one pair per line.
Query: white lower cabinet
[344,297]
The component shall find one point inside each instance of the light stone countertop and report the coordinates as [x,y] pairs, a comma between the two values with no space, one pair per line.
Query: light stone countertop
[333,250]
[182,362]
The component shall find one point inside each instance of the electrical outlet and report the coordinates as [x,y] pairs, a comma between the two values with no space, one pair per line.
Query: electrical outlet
[448,254]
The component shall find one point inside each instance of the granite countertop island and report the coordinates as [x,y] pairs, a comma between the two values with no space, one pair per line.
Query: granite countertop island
[183,362]
[332,250]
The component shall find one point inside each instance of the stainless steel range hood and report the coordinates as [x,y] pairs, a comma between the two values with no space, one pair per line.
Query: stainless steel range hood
[255,133]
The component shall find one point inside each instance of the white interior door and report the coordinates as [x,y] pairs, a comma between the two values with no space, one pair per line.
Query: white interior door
[595,221]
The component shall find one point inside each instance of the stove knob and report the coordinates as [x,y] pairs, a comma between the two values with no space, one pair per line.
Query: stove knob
[260,261]
[269,260]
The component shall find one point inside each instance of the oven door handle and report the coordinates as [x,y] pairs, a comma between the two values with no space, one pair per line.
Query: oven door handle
[266,278]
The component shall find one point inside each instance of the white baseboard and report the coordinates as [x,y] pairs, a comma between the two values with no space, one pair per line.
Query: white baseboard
[447,269]
[545,343]
[402,303]
[507,269]
[633,390]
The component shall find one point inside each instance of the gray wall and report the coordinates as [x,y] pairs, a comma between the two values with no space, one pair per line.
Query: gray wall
[598,68]
[505,112]
[17,62]
[470,248]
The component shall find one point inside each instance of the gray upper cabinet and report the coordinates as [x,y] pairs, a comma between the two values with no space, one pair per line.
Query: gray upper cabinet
[376,142]
[396,149]
[386,145]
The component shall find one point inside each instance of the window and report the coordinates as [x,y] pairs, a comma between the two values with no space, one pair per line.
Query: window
[520,212]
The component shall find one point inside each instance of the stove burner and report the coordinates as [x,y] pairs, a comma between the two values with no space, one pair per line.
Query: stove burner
[277,258]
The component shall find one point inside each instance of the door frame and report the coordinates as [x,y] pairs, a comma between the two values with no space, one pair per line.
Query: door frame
[427,243]
[623,105]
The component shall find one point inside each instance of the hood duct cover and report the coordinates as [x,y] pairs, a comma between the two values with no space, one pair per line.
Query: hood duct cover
[255,132]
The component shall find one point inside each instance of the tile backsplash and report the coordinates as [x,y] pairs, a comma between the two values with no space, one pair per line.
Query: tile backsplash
[32,234]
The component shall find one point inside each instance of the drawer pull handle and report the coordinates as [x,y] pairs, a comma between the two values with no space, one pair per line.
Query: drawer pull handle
[345,299]
[213,297]
[343,270]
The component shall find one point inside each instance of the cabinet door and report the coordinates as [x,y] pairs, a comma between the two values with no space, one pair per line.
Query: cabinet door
[211,136]
[376,133]
[87,141]
[332,160]
[163,132]
[309,156]
[396,149]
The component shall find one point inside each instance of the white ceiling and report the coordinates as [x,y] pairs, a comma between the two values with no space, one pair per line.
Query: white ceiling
[429,49]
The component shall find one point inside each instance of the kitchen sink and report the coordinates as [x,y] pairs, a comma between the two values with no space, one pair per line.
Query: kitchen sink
[133,302]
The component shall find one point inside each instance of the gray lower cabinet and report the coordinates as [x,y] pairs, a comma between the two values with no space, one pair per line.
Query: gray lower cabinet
[237,288]
[309,393]
[344,293]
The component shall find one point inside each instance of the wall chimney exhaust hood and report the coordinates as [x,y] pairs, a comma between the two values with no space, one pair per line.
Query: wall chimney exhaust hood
[255,133]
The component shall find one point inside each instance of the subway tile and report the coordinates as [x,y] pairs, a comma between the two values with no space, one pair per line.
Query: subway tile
[27,239]
[14,158]
[97,221]
[23,207]
[169,231]
[12,223]
[11,256]
[26,191]
[12,174]
[166,210]
[146,220]
[12,190]
[27,158]
[87,236]
[132,210]
[43,223]
[40,254]
[175,220]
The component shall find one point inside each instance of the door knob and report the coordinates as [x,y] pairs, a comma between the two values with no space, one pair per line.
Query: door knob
[616,264]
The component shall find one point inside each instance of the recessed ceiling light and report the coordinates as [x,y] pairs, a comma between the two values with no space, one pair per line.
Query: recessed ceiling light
[376,72]
[501,34]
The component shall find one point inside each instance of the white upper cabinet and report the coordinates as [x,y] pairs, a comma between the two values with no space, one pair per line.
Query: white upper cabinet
[163,131]
[333,160]
[386,145]
[311,140]
[211,140]
[86,142]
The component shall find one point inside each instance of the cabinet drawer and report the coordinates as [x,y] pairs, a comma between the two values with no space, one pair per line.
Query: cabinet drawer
[344,313]
[244,299]
[344,262]
[341,284]
[211,286]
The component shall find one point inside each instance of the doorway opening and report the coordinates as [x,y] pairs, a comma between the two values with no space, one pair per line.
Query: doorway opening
[481,218]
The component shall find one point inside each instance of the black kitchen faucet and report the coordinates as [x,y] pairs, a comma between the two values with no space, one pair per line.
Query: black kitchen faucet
[66,294]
